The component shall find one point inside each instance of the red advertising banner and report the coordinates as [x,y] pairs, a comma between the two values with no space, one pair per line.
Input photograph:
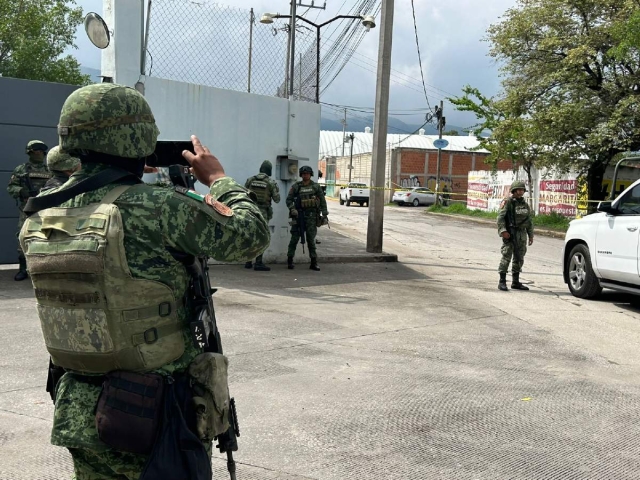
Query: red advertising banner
[558,196]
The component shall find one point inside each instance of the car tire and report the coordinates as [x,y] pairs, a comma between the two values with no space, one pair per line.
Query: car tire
[582,280]
[400,204]
[348,203]
[415,202]
[341,201]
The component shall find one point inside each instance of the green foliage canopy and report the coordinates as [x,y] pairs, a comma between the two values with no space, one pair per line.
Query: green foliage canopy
[560,75]
[33,36]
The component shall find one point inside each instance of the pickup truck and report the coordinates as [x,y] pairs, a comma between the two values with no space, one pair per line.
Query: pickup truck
[601,249]
[354,193]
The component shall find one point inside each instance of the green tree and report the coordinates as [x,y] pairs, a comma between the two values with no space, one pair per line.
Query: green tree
[512,136]
[560,66]
[33,36]
[453,133]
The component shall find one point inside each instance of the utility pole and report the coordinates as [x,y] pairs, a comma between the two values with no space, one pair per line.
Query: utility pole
[292,47]
[350,137]
[344,130]
[381,118]
[441,122]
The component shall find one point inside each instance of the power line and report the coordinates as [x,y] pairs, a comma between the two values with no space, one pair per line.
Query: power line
[365,64]
[370,120]
[415,28]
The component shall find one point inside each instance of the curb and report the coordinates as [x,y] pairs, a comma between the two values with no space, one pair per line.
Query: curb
[537,231]
[339,258]
[359,258]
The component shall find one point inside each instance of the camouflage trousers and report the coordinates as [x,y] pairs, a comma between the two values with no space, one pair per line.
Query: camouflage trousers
[311,231]
[267,213]
[109,465]
[21,221]
[508,251]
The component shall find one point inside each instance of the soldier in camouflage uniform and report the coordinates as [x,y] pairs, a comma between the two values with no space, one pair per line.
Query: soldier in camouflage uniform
[266,191]
[61,165]
[112,129]
[514,220]
[26,181]
[309,196]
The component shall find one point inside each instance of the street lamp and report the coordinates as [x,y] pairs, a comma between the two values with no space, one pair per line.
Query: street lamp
[368,22]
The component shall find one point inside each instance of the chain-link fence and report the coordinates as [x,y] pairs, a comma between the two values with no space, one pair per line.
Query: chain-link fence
[227,47]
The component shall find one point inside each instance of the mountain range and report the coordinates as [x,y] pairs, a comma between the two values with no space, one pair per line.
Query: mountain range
[353,124]
[394,126]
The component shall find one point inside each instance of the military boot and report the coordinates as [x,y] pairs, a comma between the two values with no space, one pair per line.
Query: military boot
[22,271]
[260,267]
[515,282]
[502,285]
[248,265]
[290,263]
[314,265]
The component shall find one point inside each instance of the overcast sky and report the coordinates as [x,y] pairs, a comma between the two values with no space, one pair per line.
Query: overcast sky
[451,43]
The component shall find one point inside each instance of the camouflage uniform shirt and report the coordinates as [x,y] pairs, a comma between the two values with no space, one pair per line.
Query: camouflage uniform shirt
[154,219]
[521,212]
[273,193]
[31,172]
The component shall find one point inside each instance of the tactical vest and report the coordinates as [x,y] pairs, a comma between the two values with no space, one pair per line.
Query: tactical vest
[307,196]
[95,317]
[260,186]
[34,180]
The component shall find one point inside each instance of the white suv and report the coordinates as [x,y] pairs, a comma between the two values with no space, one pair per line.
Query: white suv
[601,249]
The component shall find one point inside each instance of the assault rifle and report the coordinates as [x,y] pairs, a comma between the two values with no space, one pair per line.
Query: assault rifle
[513,229]
[204,328]
[301,222]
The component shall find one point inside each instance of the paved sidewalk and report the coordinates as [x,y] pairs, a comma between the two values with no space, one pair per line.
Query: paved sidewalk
[374,371]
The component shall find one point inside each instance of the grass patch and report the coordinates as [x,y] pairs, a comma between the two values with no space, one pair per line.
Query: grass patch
[552,221]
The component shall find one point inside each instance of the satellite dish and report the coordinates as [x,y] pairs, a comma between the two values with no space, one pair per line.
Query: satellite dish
[97,30]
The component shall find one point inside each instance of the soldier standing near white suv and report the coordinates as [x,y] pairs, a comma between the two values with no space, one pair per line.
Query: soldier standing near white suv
[601,249]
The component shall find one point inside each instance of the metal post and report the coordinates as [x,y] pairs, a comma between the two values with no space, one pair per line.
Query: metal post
[145,41]
[318,65]
[351,156]
[344,130]
[251,20]
[440,122]
[286,66]
[381,116]
[292,43]
[300,79]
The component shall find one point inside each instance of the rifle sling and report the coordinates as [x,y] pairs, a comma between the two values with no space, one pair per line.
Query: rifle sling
[94,182]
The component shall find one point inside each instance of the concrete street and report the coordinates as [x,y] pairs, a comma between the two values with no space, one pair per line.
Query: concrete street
[419,369]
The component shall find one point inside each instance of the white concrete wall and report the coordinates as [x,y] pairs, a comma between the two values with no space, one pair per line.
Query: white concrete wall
[241,129]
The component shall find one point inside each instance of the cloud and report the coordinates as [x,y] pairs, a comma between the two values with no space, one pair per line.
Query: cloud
[451,43]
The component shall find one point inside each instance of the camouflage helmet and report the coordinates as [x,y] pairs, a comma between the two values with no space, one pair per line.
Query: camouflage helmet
[517,185]
[266,167]
[108,118]
[35,145]
[60,160]
[306,169]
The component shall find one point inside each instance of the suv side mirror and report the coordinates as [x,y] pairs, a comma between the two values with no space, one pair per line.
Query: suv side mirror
[607,208]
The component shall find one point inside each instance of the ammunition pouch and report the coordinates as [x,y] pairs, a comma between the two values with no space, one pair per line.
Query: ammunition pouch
[307,202]
[210,388]
[129,410]
[54,375]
